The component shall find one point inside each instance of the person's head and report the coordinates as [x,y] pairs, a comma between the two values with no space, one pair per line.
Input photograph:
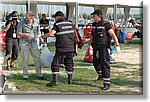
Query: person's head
[12,16]
[132,21]
[43,16]
[58,15]
[97,15]
[29,16]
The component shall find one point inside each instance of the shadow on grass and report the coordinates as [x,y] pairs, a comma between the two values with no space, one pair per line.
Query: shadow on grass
[79,81]
[80,62]
[126,82]
[31,78]
[62,79]
[124,65]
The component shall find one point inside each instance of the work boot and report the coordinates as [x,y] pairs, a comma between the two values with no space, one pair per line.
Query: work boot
[99,77]
[69,78]
[99,73]
[53,82]
[106,86]
[8,68]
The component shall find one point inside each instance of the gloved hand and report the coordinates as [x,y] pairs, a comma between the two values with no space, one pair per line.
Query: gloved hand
[118,49]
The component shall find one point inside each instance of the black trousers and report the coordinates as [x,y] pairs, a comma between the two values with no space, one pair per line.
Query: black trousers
[12,48]
[101,62]
[68,61]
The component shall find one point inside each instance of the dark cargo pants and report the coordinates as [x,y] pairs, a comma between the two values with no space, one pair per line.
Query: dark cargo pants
[68,62]
[101,62]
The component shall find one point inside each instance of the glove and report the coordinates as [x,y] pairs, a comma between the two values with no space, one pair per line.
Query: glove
[118,49]
[40,35]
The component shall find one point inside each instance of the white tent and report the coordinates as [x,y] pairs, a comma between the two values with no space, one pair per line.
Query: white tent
[131,3]
[73,4]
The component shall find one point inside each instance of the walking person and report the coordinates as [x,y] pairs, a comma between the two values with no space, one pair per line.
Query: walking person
[28,30]
[100,41]
[12,45]
[64,33]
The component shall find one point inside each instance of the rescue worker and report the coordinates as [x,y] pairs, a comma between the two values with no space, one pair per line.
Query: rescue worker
[100,41]
[64,33]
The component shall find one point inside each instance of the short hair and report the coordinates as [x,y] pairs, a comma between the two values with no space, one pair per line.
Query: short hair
[30,14]
[43,14]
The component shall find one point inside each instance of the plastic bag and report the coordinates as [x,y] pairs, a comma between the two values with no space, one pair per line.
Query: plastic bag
[2,82]
[46,58]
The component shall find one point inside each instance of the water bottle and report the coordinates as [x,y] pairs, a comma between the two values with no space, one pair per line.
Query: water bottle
[97,54]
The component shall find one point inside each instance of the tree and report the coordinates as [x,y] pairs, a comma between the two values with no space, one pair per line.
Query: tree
[84,16]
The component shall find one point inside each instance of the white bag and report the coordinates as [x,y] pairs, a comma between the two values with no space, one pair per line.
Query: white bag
[46,58]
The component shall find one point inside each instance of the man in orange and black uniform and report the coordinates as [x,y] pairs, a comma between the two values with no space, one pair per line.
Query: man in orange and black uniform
[100,41]
[64,33]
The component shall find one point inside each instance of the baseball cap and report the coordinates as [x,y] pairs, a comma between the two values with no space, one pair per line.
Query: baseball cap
[58,13]
[97,12]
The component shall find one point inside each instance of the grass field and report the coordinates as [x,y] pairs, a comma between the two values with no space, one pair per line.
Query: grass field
[126,75]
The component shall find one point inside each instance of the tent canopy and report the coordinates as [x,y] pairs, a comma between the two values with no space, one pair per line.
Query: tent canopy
[130,3]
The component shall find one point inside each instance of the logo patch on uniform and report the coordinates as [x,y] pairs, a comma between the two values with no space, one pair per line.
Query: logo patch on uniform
[101,27]
[66,27]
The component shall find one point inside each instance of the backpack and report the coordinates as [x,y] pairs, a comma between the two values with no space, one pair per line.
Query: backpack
[78,39]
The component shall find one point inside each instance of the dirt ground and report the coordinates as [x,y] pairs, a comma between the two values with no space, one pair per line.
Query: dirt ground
[130,62]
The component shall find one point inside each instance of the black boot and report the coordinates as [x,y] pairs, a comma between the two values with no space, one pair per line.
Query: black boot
[53,82]
[106,86]
[99,77]
[69,78]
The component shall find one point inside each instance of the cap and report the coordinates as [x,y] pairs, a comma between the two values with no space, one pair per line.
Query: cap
[43,14]
[58,13]
[14,12]
[97,12]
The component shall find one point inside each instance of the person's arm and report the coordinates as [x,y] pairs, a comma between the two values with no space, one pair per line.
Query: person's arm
[114,37]
[8,24]
[90,41]
[23,35]
[111,32]
[50,34]
[39,34]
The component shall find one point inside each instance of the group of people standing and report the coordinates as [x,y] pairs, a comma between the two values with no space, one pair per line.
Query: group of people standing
[28,30]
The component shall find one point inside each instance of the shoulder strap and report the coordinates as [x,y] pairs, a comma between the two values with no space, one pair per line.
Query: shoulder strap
[103,22]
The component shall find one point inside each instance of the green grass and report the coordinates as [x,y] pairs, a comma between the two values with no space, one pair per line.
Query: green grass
[84,78]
